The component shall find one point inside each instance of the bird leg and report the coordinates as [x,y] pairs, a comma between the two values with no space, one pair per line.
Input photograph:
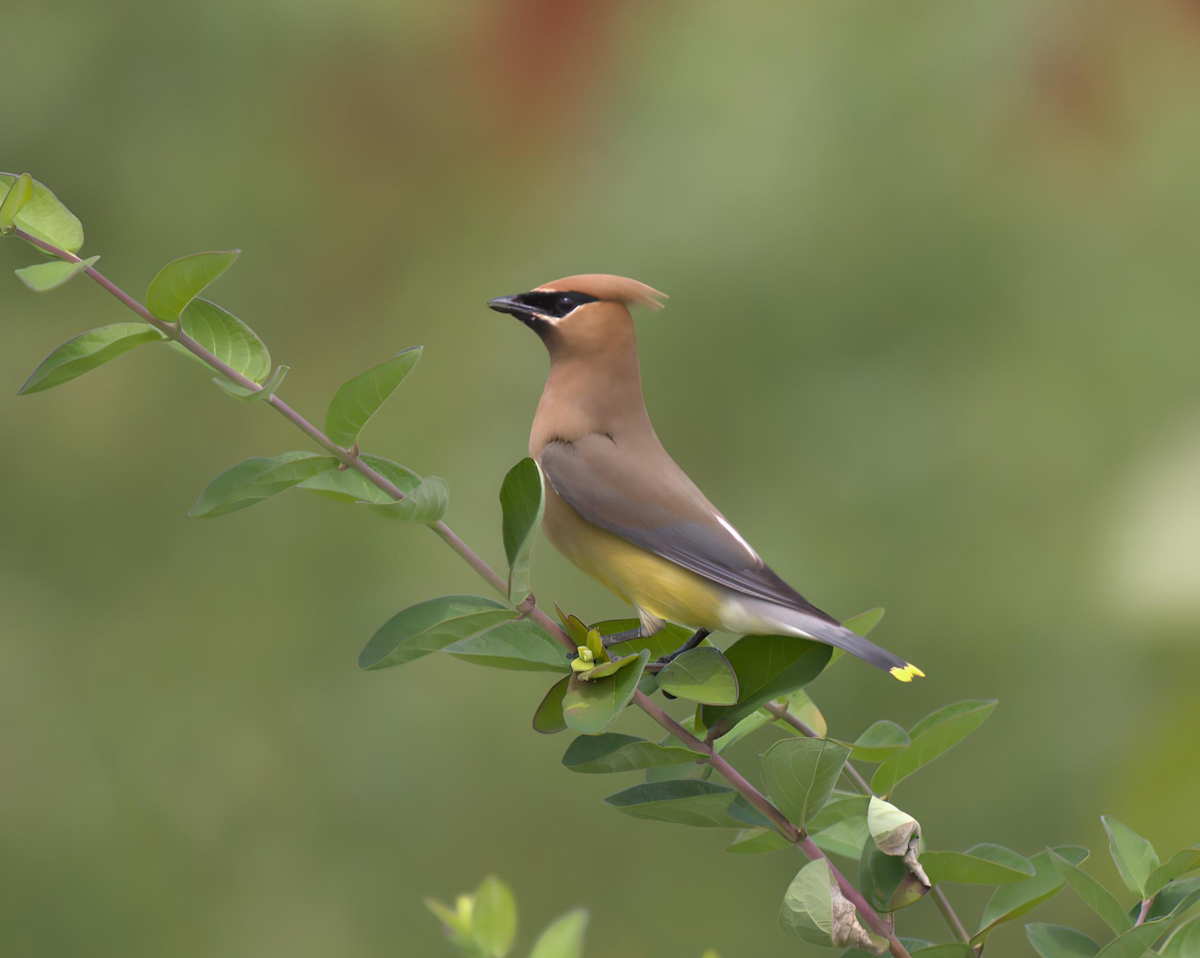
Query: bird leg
[627,636]
[699,636]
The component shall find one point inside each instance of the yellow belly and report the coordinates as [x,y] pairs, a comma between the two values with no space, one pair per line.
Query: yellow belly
[641,578]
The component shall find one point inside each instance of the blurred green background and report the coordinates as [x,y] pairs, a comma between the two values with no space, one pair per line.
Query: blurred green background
[932,344]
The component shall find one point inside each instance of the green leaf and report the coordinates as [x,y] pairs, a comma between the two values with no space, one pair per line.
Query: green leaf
[563,939]
[1133,943]
[1135,857]
[227,338]
[613,752]
[757,841]
[183,279]
[426,503]
[767,667]
[845,838]
[805,709]
[807,908]
[86,351]
[1181,863]
[253,480]
[254,395]
[1184,941]
[18,193]
[984,864]
[43,277]
[1095,895]
[494,918]
[606,668]
[800,773]
[879,742]
[682,801]
[1011,901]
[1055,941]
[518,645]
[864,622]
[1172,901]
[931,737]
[548,718]
[45,217]
[349,485]
[522,502]
[886,882]
[590,707]
[358,399]
[428,627]
[700,675]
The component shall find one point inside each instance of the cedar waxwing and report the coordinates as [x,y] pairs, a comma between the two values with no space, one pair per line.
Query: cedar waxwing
[621,509]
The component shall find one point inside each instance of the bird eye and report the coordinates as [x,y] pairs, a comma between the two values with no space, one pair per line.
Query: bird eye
[565,305]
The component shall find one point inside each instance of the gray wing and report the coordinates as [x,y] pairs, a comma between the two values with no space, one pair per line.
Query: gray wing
[645,498]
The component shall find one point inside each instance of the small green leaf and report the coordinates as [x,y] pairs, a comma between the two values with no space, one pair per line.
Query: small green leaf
[757,841]
[517,645]
[1181,863]
[426,503]
[494,918]
[18,193]
[564,938]
[428,627]
[934,735]
[227,338]
[45,217]
[800,773]
[1095,895]
[807,908]
[1172,901]
[548,718]
[682,801]
[767,667]
[358,399]
[846,838]
[606,668]
[864,622]
[254,395]
[984,864]
[590,707]
[700,675]
[43,277]
[613,752]
[886,882]
[349,485]
[1055,941]
[813,908]
[1184,941]
[86,351]
[183,279]
[522,501]
[253,480]
[1133,943]
[879,742]
[1135,857]
[456,923]
[1011,901]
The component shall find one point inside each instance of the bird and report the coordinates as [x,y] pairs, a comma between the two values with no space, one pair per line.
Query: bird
[620,508]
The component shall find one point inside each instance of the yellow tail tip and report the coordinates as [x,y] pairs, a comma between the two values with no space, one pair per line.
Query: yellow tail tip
[906,674]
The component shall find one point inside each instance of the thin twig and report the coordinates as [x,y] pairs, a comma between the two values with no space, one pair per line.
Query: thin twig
[949,915]
[353,461]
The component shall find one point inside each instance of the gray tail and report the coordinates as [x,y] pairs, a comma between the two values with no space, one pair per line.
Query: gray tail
[842,638]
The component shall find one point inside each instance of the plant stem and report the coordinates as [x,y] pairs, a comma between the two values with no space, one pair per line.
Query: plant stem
[949,915]
[1145,910]
[352,460]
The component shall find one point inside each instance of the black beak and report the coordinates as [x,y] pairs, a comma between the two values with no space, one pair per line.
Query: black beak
[511,305]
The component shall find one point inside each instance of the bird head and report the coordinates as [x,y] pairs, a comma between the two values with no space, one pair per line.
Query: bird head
[581,314]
